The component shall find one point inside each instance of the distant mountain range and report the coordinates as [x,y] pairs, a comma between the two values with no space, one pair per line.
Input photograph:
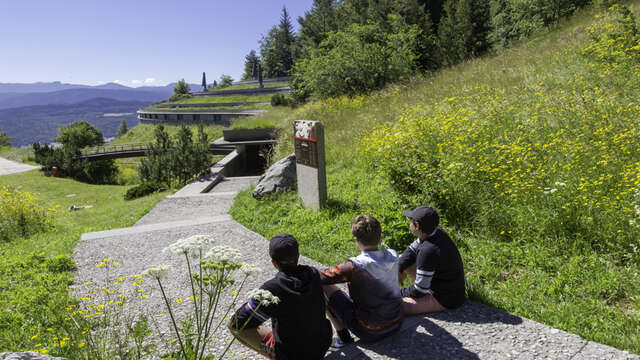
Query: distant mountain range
[40,123]
[34,112]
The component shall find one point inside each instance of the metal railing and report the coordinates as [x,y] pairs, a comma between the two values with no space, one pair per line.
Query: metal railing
[104,149]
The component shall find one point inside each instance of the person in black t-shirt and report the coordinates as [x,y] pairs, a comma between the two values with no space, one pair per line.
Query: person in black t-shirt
[434,263]
[300,328]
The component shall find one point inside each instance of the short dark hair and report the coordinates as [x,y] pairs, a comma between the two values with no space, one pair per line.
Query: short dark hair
[366,229]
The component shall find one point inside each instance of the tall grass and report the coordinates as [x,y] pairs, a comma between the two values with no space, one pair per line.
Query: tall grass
[35,270]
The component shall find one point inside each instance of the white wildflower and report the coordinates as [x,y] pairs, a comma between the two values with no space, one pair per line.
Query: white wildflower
[224,253]
[189,245]
[157,271]
[250,269]
[637,209]
[263,297]
[560,183]
[548,190]
[632,222]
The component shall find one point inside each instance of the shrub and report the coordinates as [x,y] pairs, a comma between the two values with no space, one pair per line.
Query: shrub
[73,138]
[490,162]
[141,190]
[615,39]
[176,161]
[357,60]
[60,263]
[279,100]
[20,214]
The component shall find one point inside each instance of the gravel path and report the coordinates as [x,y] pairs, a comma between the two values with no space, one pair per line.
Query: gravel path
[12,167]
[474,331]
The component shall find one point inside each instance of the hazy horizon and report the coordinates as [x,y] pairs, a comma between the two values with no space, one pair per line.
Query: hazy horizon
[141,43]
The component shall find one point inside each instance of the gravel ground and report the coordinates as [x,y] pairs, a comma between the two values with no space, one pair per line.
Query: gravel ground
[474,331]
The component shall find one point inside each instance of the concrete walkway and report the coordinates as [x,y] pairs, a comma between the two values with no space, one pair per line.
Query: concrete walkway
[474,331]
[12,167]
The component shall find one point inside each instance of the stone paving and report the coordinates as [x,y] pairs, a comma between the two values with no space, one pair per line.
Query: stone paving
[12,167]
[474,331]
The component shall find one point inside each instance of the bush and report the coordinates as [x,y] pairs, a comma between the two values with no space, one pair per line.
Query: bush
[279,100]
[4,139]
[141,190]
[176,161]
[20,214]
[487,162]
[615,39]
[60,263]
[73,138]
[357,60]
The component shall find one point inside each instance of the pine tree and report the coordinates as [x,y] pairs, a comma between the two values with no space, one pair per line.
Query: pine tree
[250,60]
[317,22]
[277,48]
[122,129]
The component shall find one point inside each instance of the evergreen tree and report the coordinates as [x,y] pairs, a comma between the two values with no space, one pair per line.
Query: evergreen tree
[277,48]
[122,128]
[317,22]
[250,61]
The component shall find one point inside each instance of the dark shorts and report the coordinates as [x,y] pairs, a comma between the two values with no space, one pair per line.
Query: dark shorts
[342,307]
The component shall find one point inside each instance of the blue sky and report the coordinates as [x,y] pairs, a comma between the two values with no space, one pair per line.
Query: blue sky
[133,42]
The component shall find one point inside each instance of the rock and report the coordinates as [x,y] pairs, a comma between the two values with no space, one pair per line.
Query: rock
[280,177]
[74,207]
[31,355]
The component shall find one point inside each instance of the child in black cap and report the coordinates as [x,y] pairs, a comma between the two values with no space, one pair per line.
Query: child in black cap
[434,263]
[300,328]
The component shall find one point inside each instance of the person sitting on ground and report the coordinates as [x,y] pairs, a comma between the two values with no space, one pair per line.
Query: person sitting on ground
[434,263]
[300,328]
[374,308]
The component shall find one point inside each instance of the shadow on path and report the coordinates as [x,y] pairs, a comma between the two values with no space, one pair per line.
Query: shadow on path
[418,341]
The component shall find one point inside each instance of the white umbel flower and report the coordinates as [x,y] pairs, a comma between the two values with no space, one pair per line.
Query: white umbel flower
[250,269]
[157,271]
[224,253]
[263,297]
[189,245]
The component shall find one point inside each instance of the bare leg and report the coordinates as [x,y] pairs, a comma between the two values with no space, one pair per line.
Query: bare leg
[425,304]
[252,338]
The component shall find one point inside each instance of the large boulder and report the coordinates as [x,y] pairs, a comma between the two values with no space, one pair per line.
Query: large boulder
[31,355]
[280,177]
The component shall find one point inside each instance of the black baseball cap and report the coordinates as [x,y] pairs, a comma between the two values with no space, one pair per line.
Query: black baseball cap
[283,248]
[426,216]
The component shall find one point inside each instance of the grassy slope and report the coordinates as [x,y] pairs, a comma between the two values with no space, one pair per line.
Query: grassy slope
[32,294]
[571,292]
[143,133]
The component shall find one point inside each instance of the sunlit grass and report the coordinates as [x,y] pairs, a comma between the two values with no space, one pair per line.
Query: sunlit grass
[561,281]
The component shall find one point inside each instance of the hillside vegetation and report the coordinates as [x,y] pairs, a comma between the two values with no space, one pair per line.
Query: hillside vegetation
[531,156]
[35,271]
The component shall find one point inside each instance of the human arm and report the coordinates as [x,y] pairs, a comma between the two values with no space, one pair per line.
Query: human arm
[256,311]
[340,273]
[408,257]
[426,262]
